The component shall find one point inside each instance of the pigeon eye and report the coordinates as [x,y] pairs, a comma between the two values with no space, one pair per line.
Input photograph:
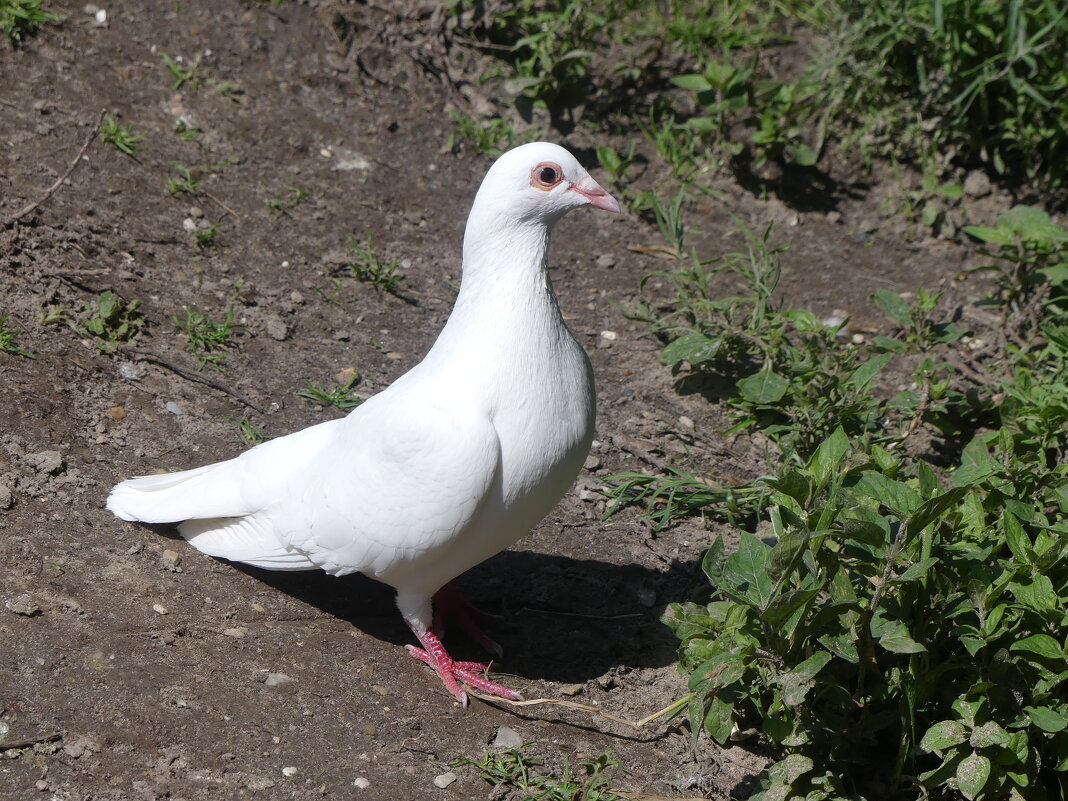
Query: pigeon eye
[546,176]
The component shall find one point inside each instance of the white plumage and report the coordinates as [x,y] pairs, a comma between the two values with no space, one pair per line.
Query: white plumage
[453,462]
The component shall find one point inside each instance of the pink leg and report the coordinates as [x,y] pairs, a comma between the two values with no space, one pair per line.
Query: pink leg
[449,603]
[452,672]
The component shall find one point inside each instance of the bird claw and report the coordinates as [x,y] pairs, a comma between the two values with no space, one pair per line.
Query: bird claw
[452,672]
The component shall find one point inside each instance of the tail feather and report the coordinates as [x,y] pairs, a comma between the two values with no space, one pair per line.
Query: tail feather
[243,539]
[203,492]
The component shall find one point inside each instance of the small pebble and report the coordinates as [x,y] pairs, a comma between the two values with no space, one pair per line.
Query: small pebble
[100,18]
[174,408]
[196,212]
[609,335]
[606,261]
[289,771]
[41,785]
[346,375]
[445,779]
[117,413]
[5,497]
[189,224]
[159,609]
[685,423]
[50,462]
[592,462]
[23,605]
[571,689]
[277,679]
[361,783]
[507,737]
[170,560]
[236,631]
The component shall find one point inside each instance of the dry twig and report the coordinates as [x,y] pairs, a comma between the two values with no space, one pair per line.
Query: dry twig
[31,207]
[189,375]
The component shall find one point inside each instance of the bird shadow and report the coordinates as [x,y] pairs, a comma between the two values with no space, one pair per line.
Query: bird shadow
[561,619]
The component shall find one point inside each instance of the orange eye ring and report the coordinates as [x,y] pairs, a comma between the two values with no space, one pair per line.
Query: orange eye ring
[546,175]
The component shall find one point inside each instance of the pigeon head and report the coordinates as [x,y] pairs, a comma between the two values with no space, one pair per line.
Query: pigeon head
[539,182]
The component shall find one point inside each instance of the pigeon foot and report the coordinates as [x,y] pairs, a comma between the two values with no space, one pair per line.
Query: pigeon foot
[449,604]
[453,672]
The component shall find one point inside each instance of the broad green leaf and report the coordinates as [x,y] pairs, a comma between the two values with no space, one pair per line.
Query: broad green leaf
[696,83]
[790,769]
[898,496]
[721,670]
[767,386]
[693,348]
[988,735]
[894,636]
[786,551]
[796,684]
[931,510]
[1047,719]
[1017,539]
[1039,644]
[895,306]
[976,463]
[1032,225]
[748,569]
[917,570]
[828,457]
[943,735]
[713,562]
[719,720]
[987,233]
[972,775]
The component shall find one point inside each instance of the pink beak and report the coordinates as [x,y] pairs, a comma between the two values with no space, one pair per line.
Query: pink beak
[597,197]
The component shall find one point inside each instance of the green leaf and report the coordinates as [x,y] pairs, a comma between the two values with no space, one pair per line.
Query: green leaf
[719,720]
[931,510]
[748,568]
[790,769]
[767,386]
[796,683]
[696,83]
[988,735]
[828,457]
[721,670]
[693,348]
[1041,645]
[714,560]
[972,774]
[895,306]
[1032,225]
[943,735]
[1049,720]
[917,570]
[894,636]
[991,234]
[1017,539]
[898,496]
[976,463]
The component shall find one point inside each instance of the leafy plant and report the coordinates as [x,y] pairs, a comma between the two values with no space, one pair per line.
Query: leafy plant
[369,267]
[188,180]
[296,195]
[21,18]
[248,433]
[339,395]
[515,769]
[107,320]
[122,136]
[615,164]
[207,237]
[208,341]
[183,74]
[8,337]
[898,637]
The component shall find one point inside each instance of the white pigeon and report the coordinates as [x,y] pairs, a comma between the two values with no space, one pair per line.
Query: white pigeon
[452,463]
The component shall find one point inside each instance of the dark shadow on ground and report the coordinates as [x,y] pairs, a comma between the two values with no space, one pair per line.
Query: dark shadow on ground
[567,620]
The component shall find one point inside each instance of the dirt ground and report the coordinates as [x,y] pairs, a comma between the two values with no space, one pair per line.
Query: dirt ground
[133,667]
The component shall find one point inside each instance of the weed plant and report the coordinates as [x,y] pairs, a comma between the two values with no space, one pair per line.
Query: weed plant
[8,337]
[369,267]
[340,395]
[208,341]
[514,769]
[22,18]
[107,320]
[900,634]
[122,136]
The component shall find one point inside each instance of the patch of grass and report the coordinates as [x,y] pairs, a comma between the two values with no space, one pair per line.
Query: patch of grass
[122,136]
[8,337]
[183,75]
[339,395]
[369,267]
[188,180]
[296,195]
[248,433]
[208,237]
[512,768]
[187,130]
[208,341]
[489,137]
[107,320]
[22,18]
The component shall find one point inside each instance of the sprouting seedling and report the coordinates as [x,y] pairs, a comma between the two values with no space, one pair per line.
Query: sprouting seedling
[8,337]
[122,136]
[182,74]
[207,237]
[372,268]
[208,341]
[188,181]
[296,195]
[339,395]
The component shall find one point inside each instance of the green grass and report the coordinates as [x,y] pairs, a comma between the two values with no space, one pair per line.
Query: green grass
[339,395]
[208,237]
[209,341]
[187,181]
[8,337]
[368,266]
[283,206]
[525,774]
[122,136]
[184,75]
[22,18]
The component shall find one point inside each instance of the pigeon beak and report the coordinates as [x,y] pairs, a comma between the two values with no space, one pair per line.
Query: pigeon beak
[595,195]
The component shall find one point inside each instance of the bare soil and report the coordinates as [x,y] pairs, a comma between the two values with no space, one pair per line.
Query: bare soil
[133,667]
